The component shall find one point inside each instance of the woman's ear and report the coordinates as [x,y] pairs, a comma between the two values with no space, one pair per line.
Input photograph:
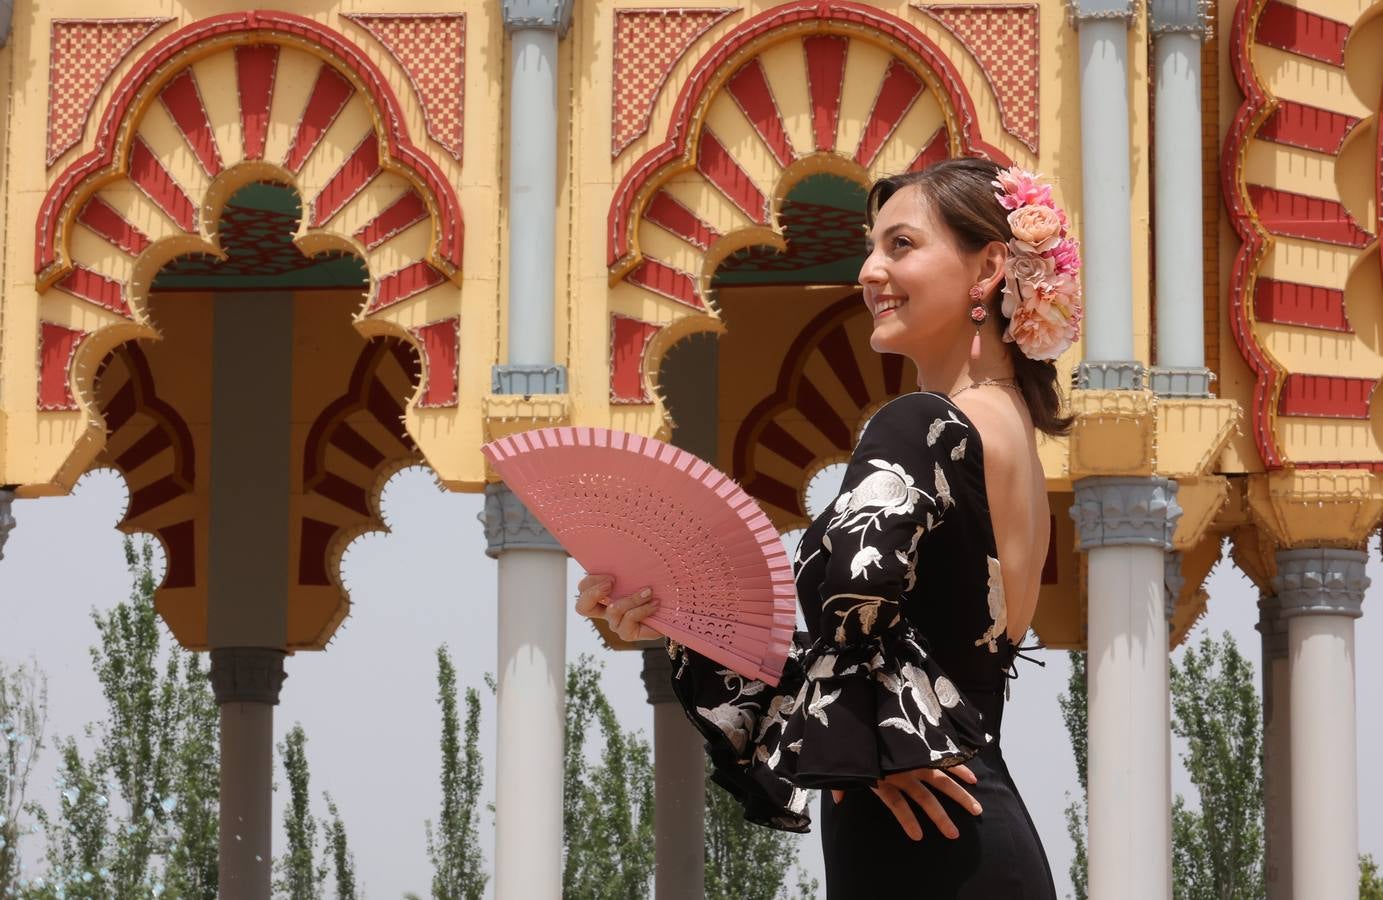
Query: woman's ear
[993,259]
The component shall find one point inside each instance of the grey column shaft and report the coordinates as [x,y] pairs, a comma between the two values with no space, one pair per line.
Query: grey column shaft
[1105,160]
[246,682]
[679,788]
[532,196]
[1277,750]
[7,522]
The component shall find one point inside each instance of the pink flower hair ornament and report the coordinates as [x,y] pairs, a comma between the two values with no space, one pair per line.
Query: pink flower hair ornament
[1041,294]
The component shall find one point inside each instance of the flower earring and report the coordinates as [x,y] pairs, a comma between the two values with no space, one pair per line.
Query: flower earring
[978,315]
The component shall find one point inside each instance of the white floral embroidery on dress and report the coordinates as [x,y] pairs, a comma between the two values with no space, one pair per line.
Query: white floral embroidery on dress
[998,609]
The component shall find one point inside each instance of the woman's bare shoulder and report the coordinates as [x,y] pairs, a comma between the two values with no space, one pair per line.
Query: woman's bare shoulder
[1005,430]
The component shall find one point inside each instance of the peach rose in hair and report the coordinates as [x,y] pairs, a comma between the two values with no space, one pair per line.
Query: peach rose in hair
[1039,227]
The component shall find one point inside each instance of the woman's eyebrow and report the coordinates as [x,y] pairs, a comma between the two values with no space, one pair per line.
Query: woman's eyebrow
[889,232]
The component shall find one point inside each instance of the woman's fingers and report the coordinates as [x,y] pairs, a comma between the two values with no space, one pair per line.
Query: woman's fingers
[931,806]
[893,799]
[939,780]
[837,796]
[594,591]
[965,774]
[626,616]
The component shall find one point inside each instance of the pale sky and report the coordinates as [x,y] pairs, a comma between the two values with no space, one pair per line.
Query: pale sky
[368,704]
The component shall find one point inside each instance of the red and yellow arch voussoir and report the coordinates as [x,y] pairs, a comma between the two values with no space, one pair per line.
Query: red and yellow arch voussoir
[142,84]
[679,149]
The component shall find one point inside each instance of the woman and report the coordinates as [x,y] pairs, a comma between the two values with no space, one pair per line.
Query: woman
[894,698]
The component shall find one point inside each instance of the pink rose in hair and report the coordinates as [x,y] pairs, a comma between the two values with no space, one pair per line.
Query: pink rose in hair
[1041,330]
[1035,225]
[1066,255]
[1023,272]
[1021,189]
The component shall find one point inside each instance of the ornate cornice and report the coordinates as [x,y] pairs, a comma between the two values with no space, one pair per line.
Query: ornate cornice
[1125,511]
[7,522]
[247,674]
[1321,581]
[547,15]
[510,526]
[1111,375]
[1180,17]
[657,675]
[1316,507]
[1078,11]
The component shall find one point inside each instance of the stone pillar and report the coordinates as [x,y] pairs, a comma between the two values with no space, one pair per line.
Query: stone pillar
[1277,749]
[679,787]
[1126,526]
[7,522]
[531,694]
[1321,591]
[1178,27]
[246,682]
[1106,230]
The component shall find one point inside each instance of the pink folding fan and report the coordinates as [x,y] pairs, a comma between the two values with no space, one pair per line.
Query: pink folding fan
[653,515]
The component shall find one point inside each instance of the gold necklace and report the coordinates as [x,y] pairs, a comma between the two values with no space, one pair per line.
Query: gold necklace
[1001,382]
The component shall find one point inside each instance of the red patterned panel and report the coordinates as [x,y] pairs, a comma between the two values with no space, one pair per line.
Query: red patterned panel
[183,101]
[329,95]
[56,347]
[899,91]
[149,175]
[1003,38]
[431,50]
[1286,303]
[937,148]
[1308,127]
[96,288]
[665,212]
[749,89]
[255,68]
[358,170]
[1310,218]
[404,212]
[721,170]
[103,219]
[180,546]
[825,80]
[648,45]
[312,551]
[81,55]
[441,348]
[1295,30]
[1332,396]
[409,281]
[628,340]
[660,278]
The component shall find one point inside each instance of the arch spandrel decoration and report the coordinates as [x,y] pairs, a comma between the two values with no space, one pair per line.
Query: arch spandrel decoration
[804,89]
[311,111]
[1300,176]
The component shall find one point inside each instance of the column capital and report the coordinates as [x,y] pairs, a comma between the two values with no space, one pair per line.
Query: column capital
[657,675]
[1180,17]
[1081,11]
[1111,375]
[547,15]
[1321,581]
[1112,511]
[510,526]
[528,380]
[247,675]
[7,522]
[1272,626]
[1180,381]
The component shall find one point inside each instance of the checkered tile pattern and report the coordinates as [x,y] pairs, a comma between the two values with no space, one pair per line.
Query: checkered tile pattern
[431,49]
[82,54]
[1003,39]
[648,44]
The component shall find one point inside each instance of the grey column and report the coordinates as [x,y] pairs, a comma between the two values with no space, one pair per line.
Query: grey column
[1178,27]
[1277,749]
[246,682]
[1106,208]
[1125,526]
[534,28]
[7,522]
[248,573]
[530,699]
[679,787]
[1322,593]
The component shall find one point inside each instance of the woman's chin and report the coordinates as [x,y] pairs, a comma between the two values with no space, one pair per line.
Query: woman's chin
[886,336]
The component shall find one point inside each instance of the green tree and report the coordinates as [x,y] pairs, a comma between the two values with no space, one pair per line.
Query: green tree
[23,719]
[607,808]
[342,860]
[458,867]
[1075,715]
[746,861]
[298,873]
[1218,850]
[1370,882]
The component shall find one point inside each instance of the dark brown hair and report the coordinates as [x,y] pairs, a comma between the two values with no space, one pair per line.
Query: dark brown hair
[961,192]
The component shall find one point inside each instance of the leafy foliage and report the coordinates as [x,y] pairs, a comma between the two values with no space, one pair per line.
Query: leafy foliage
[746,861]
[23,719]
[458,867]
[1075,715]
[1370,882]
[342,860]
[299,876]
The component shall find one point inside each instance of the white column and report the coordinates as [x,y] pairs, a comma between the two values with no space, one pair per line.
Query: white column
[1277,749]
[679,787]
[1125,525]
[246,682]
[1322,593]
[530,708]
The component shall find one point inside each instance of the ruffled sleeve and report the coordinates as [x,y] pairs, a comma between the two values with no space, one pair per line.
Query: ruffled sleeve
[865,698]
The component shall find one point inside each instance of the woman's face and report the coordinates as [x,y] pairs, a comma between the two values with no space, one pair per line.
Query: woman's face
[916,280]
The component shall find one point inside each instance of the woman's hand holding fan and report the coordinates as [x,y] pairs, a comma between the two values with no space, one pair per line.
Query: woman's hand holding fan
[625,616]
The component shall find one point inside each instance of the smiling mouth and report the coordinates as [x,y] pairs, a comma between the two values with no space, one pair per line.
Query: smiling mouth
[886,304]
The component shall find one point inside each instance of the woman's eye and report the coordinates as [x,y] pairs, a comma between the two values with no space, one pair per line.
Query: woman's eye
[901,242]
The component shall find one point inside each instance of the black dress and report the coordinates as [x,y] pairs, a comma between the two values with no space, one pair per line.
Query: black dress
[903,666]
